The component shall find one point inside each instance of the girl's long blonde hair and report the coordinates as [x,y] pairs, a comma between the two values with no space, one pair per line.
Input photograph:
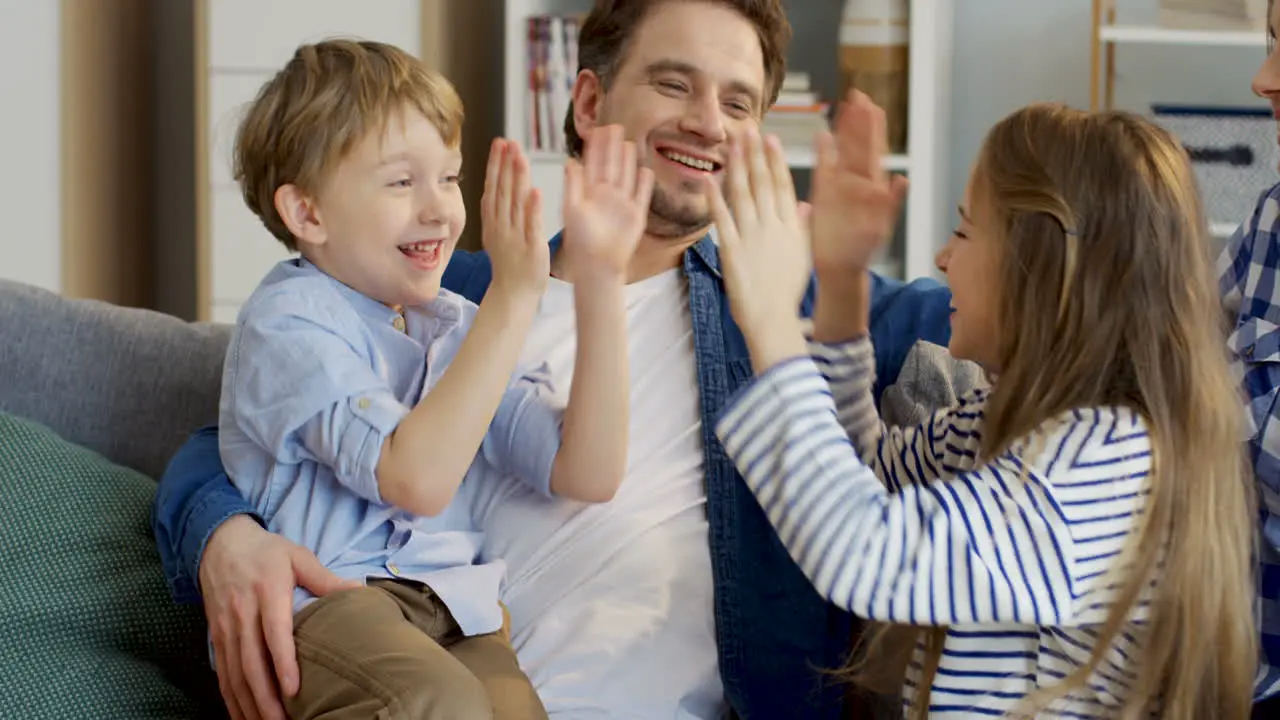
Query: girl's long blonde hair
[1108,297]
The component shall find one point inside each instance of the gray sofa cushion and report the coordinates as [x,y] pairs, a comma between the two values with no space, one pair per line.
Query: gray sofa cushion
[930,380]
[129,384]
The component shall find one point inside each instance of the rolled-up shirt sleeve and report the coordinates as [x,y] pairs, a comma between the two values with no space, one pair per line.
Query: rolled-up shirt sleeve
[329,407]
[524,438]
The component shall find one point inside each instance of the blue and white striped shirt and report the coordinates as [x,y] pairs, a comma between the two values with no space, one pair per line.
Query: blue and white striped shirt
[1249,279]
[1014,559]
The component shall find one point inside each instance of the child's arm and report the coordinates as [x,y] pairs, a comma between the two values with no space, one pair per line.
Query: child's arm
[297,387]
[997,544]
[593,452]
[424,460]
[606,207]
[842,351]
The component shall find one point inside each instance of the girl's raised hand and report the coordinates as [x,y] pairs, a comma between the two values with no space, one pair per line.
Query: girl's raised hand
[855,200]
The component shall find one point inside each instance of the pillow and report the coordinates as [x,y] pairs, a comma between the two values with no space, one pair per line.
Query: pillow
[87,626]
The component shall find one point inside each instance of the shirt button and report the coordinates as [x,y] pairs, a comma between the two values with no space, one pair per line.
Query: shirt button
[363,403]
[395,569]
[399,323]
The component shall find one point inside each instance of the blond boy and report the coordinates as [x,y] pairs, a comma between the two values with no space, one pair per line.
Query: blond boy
[357,393]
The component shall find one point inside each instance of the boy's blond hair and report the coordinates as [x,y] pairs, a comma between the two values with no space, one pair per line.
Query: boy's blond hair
[328,98]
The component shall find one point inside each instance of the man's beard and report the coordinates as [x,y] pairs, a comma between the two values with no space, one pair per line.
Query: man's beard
[672,217]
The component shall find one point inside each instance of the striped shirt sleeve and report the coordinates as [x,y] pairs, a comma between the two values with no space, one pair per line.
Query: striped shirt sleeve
[912,454]
[988,545]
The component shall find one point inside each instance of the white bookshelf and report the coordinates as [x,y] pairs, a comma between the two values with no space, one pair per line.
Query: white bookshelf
[926,213]
[1156,35]
[1108,34]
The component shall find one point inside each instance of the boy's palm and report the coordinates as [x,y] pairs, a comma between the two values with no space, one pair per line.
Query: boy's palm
[606,202]
[855,201]
[511,215]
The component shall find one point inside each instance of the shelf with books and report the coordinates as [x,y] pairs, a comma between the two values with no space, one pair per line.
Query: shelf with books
[540,66]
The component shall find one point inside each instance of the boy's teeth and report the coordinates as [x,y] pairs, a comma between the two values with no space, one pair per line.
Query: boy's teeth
[692,162]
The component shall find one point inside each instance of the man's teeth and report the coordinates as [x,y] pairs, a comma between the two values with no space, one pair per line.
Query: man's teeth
[693,162]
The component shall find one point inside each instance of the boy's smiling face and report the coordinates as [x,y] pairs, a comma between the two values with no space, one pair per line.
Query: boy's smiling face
[387,218]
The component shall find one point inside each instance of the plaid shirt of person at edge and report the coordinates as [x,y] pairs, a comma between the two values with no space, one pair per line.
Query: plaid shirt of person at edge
[1249,277]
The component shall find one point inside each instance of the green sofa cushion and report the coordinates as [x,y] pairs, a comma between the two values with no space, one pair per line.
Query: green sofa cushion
[87,627]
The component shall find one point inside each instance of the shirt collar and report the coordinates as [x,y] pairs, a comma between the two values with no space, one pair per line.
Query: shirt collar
[446,306]
[704,250]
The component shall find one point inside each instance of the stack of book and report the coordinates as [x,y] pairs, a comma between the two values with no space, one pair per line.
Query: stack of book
[553,66]
[798,115]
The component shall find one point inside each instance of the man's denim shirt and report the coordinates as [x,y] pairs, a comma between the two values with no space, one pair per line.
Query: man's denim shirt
[776,635]
[317,377]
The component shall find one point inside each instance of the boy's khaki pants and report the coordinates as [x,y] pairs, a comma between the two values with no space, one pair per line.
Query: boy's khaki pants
[393,651]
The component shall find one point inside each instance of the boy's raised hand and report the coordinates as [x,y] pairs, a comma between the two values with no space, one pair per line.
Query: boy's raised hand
[606,203]
[855,200]
[511,219]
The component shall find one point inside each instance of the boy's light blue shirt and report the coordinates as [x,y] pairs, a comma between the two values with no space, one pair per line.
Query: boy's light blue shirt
[317,377]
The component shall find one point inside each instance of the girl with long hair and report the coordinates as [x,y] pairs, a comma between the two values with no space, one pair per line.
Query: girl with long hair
[1075,540]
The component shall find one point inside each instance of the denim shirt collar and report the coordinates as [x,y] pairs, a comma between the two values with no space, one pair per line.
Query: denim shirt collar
[704,251]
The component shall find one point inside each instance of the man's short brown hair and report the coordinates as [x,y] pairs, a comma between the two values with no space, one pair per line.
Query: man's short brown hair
[606,33]
[324,101]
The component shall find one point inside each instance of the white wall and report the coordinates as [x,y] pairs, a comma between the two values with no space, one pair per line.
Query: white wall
[1012,52]
[29,135]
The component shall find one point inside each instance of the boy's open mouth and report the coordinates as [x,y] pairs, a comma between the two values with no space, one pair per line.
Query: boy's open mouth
[425,255]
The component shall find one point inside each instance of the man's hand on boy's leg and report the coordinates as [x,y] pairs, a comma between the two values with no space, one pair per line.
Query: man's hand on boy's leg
[247,578]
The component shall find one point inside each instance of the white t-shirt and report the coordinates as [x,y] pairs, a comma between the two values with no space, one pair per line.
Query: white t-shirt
[611,604]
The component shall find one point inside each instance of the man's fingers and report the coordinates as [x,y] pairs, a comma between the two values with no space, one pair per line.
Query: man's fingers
[726,227]
[613,156]
[784,189]
[737,195]
[277,628]
[644,188]
[257,675]
[233,662]
[224,680]
[573,180]
[628,172]
[595,155]
[761,175]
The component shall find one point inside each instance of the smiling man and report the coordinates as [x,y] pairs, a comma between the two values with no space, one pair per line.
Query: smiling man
[676,599]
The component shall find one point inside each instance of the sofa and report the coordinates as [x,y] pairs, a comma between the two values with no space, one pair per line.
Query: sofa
[94,399]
